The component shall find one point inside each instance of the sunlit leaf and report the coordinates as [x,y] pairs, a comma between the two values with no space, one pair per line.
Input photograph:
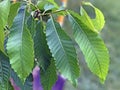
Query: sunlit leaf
[92,46]
[99,20]
[4,12]
[13,12]
[86,19]
[20,46]
[53,2]
[47,5]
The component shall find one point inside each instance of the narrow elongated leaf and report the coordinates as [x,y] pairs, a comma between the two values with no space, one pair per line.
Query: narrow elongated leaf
[13,12]
[63,51]
[4,72]
[93,48]
[99,21]
[20,46]
[42,52]
[4,11]
[31,25]
[49,76]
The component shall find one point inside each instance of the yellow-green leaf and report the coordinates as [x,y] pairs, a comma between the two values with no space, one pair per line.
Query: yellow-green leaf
[99,20]
[92,46]
[4,12]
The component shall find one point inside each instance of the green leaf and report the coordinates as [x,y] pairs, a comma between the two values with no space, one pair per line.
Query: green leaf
[47,5]
[16,79]
[13,12]
[31,25]
[99,20]
[49,76]
[29,83]
[63,51]
[20,46]
[4,72]
[42,52]
[41,4]
[4,11]
[10,87]
[53,2]
[93,48]
[86,19]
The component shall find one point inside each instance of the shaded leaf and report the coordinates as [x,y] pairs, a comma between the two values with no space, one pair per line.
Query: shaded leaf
[42,53]
[16,79]
[20,46]
[49,76]
[4,72]
[92,46]
[10,87]
[63,51]
[29,83]
[31,25]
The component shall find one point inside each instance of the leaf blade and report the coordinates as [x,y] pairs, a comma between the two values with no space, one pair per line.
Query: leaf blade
[42,52]
[92,47]
[49,76]
[99,19]
[13,12]
[20,46]
[63,51]
[4,11]
[4,72]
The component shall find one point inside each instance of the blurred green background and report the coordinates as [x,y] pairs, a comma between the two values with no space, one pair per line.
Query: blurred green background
[111,36]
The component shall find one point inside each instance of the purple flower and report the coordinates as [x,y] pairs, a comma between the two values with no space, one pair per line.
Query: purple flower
[36,79]
[59,85]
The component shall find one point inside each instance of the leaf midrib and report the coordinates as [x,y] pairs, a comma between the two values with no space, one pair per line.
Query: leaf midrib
[61,45]
[21,49]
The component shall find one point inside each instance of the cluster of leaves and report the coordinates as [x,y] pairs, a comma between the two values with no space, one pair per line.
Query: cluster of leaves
[30,36]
